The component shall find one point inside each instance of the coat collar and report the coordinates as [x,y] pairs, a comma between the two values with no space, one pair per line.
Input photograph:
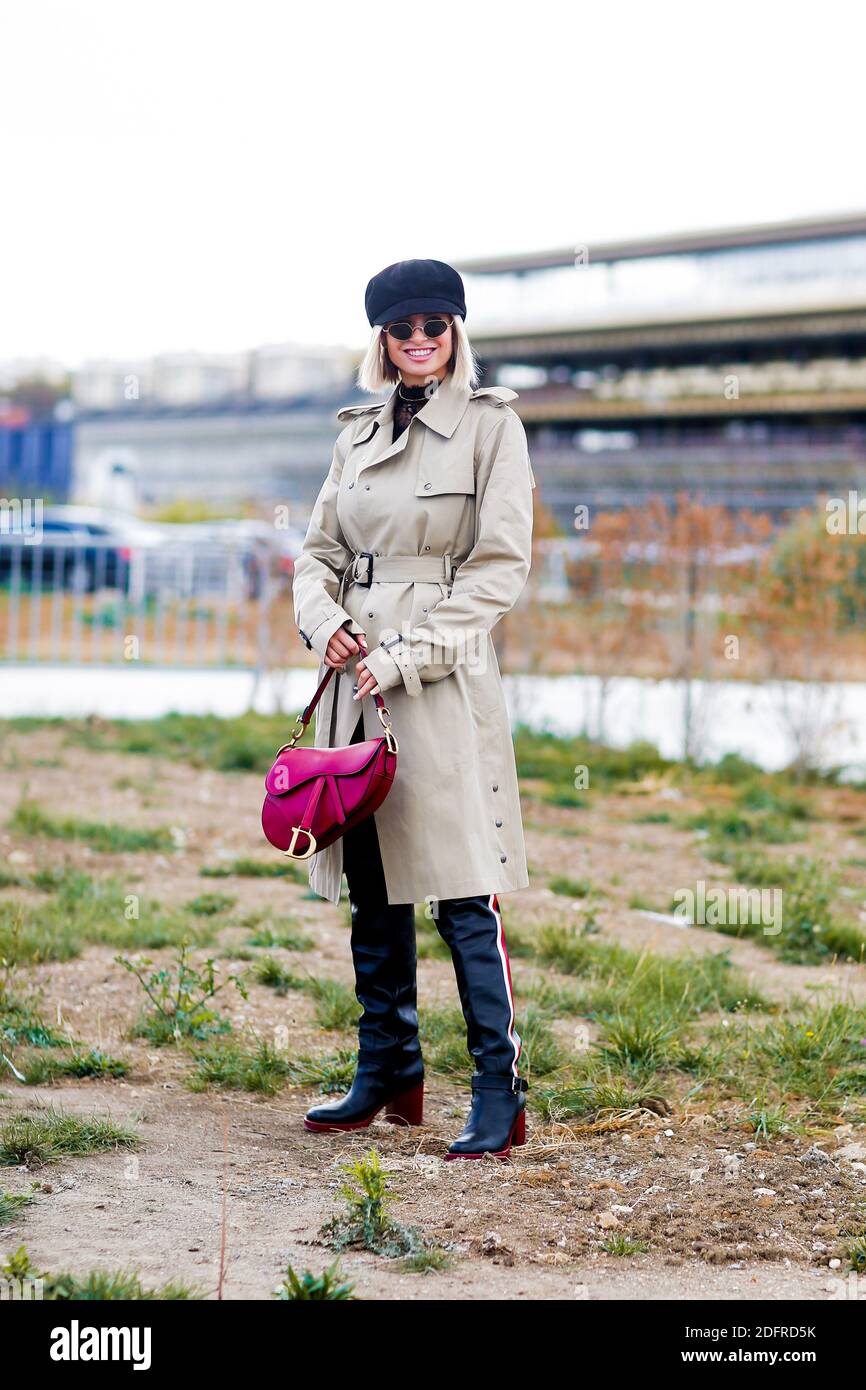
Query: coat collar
[442,413]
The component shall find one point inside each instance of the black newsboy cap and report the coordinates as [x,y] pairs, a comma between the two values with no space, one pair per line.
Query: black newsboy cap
[414,287]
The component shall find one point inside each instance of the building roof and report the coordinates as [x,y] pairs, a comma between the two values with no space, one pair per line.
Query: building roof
[677,243]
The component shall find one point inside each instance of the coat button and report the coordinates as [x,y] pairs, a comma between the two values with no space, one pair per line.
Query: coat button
[351,485]
[426,547]
[496,786]
[366,487]
[427,487]
[503,858]
[498,824]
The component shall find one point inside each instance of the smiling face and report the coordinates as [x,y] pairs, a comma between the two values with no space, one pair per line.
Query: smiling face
[420,358]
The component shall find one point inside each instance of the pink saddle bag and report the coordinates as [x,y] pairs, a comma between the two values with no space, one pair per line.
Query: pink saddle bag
[314,795]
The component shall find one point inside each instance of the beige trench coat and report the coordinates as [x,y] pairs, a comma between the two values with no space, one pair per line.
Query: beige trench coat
[450,499]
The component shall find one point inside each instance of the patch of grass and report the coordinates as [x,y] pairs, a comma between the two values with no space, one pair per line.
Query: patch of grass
[27,940]
[603,1097]
[731,823]
[624,1246]
[30,819]
[22,1025]
[308,1287]
[331,1075]
[548,758]
[42,1068]
[12,1204]
[816,1058]
[99,1285]
[571,887]
[432,1260]
[336,1005]
[209,904]
[51,1134]
[281,939]
[810,929]
[84,910]
[268,971]
[246,744]
[256,868]
[540,1052]
[228,1066]
[653,818]
[640,1043]
[618,980]
[443,1035]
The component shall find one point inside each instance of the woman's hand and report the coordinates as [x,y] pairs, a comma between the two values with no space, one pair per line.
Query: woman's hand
[366,682]
[341,646]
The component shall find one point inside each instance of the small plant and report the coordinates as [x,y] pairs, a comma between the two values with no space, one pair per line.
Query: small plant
[768,1121]
[624,1246]
[366,1221]
[308,1287]
[857,1254]
[179,998]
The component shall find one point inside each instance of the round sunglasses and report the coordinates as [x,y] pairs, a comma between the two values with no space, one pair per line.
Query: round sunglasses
[433,328]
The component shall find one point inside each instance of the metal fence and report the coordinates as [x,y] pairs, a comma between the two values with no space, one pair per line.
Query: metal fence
[82,599]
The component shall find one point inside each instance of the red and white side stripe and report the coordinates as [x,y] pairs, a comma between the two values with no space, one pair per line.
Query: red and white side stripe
[514,1036]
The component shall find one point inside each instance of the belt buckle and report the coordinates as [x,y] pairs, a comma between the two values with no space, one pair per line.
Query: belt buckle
[368,556]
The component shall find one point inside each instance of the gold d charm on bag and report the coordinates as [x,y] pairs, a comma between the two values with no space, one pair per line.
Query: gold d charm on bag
[296,831]
[384,719]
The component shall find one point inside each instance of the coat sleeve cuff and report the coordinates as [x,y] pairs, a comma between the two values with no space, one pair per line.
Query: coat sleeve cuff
[320,636]
[391,664]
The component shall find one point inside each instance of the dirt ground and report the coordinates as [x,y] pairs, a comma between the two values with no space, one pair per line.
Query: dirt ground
[723,1216]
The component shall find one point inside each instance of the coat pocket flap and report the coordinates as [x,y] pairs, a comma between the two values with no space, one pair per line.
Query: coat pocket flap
[448,475]
[296,766]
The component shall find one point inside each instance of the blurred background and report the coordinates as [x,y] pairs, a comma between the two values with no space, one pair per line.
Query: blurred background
[679,299]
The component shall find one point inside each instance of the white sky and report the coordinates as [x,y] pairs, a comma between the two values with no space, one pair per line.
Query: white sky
[197,174]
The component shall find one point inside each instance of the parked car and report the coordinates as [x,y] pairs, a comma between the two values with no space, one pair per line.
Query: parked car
[88,547]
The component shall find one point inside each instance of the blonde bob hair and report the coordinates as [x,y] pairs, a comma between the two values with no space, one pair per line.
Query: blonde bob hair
[377,371]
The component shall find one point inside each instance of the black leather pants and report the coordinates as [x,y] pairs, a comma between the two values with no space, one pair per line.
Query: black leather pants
[383,951]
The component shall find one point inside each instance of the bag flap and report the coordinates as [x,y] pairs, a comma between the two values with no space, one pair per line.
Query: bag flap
[296,766]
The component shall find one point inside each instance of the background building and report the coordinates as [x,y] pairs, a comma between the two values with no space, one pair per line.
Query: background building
[730,363]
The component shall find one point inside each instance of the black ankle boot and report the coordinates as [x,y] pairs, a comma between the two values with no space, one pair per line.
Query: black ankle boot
[496,1120]
[395,1085]
[390,1070]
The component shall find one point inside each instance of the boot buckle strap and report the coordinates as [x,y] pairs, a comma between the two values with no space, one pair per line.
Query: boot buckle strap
[484,1081]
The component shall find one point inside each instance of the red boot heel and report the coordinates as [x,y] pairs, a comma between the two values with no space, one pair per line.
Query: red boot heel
[519,1136]
[408,1108]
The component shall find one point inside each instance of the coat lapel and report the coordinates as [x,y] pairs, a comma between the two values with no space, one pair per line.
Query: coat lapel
[442,413]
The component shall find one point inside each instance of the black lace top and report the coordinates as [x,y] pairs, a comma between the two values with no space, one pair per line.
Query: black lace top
[409,401]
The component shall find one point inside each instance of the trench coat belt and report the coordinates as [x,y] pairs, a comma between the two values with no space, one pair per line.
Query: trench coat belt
[365,568]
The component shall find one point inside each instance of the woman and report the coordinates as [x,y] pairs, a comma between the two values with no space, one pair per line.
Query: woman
[419,541]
